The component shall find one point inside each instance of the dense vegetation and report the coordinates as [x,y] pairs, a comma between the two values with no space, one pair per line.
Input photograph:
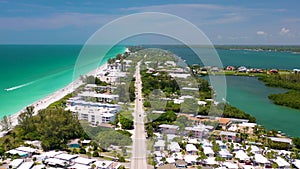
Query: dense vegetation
[94,80]
[163,82]
[268,48]
[53,126]
[289,99]
[287,81]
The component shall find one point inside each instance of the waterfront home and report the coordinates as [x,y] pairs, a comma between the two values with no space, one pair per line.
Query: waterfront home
[99,89]
[281,140]
[296,71]
[242,69]
[102,97]
[94,115]
[191,149]
[168,129]
[230,68]
[243,127]
[273,71]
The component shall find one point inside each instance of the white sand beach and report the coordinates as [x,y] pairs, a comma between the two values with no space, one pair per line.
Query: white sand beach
[59,94]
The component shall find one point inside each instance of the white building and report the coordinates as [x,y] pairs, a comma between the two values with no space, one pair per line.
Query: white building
[94,115]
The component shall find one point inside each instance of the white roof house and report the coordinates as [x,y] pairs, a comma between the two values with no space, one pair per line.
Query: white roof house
[55,161]
[40,166]
[84,161]
[177,156]
[281,140]
[103,164]
[191,148]
[159,144]
[282,163]
[20,153]
[27,149]
[51,153]
[230,165]
[66,157]
[225,153]
[169,126]
[174,147]
[179,75]
[297,164]
[16,163]
[190,158]
[261,159]
[170,160]
[241,155]
[79,166]
[210,161]
[208,151]
[26,165]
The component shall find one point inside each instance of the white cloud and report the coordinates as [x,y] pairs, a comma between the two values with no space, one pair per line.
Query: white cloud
[55,21]
[261,33]
[284,31]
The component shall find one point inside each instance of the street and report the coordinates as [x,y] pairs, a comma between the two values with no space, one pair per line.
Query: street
[139,152]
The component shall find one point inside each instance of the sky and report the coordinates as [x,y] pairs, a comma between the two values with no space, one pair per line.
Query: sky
[267,22]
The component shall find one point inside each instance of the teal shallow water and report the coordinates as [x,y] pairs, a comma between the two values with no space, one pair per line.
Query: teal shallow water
[31,72]
[251,95]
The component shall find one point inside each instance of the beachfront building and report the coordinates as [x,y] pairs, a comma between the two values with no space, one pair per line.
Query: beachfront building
[296,71]
[94,115]
[101,97]
[99,89]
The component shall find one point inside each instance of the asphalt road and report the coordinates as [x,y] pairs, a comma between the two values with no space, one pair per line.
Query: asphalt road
[139,151]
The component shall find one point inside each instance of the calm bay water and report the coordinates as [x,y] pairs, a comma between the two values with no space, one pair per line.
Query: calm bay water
[248,93]
[31,72]
[35,71]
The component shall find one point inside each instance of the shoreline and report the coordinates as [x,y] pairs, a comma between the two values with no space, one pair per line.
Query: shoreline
[51,98]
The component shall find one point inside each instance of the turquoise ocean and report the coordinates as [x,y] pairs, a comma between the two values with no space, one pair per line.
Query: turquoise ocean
[32,72]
